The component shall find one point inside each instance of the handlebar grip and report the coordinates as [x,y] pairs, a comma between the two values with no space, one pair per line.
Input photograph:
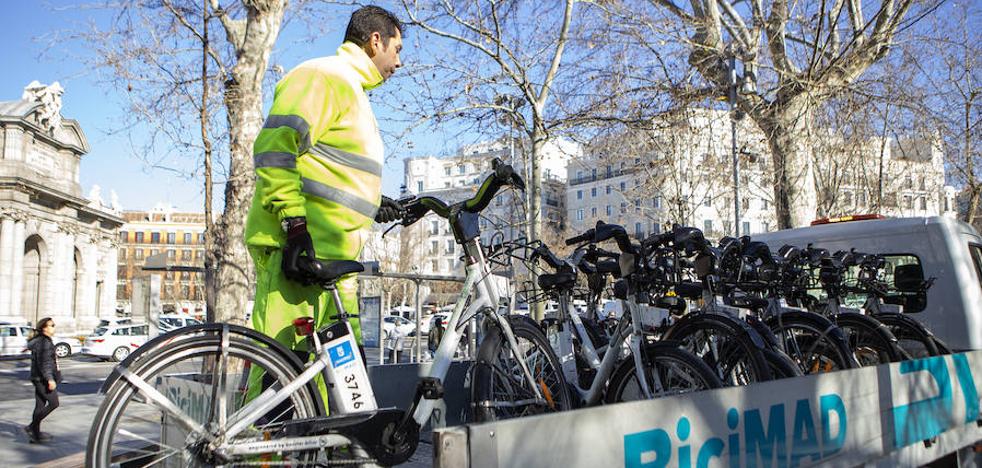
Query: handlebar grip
[581,238]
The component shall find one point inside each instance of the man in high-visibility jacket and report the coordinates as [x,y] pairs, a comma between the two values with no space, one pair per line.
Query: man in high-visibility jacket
[318,162]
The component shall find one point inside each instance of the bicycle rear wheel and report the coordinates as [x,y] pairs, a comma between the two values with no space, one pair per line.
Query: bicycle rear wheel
[500,389]
[190,381]
[726,346]
[916,340]
[812,341]
[869,340]
[670,371]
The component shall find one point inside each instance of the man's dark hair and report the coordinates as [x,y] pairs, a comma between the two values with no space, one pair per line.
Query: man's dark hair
[369,19]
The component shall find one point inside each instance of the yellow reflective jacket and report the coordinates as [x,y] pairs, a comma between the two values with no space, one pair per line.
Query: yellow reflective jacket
[319,155]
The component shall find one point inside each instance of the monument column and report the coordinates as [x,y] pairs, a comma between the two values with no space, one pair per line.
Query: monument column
[17,285]
[7,265]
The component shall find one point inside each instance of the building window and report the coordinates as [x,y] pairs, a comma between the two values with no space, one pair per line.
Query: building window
[765,204]
[746,228]
[138,254]
[154,237]
[608,190]
[122,254]
[419,186]
[579,175]
[847,199]
[435,265]
[923,183]
[169,275]
[908,202]
[171,254]
[861,197]
[171,237]
[434,246]
[908,182]
[593,212]
[707,226]
[139,238]
[579,194]
[766,226]
[746,204]
[707,202]
[460,169]
[593,192]
[434,227]
[623,207]
[450,246]
[579,215]
[201,238]
[609,211]
[947,205]
[187,237]
[446,170]
[637,205]
[657,202]
[154,252]
[186,255]
[655,227]
[623,186]
[450,264]
[122,236]
[923,203]
[637,230]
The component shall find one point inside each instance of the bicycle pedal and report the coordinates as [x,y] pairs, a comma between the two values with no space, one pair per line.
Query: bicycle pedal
[431,388]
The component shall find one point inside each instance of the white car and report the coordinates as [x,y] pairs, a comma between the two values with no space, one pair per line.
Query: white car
[115,342]
[404,326]
[66,346]
[13,339]
[171,322]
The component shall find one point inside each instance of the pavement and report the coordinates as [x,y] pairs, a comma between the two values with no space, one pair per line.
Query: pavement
[69,424]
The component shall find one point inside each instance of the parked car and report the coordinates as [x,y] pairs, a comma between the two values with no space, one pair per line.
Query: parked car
[106,322]
[115,342]
[66,346]
[13,339]
[442,317]
[170,322]
[405,326]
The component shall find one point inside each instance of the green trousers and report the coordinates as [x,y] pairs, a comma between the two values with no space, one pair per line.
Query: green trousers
[278,301]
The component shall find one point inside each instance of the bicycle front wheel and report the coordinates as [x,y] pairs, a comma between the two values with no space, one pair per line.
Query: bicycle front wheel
[913,337]
[671,371]
[501,389]
[870,341]
[195,380]
[812,341]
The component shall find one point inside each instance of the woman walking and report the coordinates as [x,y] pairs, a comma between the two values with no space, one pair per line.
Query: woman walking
[45,377]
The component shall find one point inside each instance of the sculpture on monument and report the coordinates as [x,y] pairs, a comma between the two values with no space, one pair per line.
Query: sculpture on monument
[50,98]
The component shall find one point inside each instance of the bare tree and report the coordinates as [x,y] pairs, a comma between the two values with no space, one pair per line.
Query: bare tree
[794,56]
[151,48]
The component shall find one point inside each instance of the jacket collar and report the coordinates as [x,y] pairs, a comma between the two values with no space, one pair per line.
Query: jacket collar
[362,64]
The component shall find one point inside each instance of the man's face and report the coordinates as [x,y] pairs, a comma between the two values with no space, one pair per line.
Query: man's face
[386,58]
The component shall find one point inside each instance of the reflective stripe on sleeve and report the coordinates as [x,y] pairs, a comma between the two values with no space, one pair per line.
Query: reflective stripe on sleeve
[347,200]
[275,159]
[297,123]
[345,158]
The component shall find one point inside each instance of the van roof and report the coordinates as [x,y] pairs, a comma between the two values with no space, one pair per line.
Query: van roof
[852,229]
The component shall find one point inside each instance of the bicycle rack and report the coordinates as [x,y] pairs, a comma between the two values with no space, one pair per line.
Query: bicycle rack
[901,414]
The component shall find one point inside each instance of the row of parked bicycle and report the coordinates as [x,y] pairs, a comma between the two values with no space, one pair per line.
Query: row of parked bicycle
[697,316]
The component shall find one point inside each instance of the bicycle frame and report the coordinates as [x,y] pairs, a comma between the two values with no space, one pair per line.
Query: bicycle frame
[486,300]
[629,326]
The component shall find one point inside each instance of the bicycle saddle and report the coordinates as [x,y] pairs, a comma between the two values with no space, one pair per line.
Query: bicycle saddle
[328,271]
[551,281]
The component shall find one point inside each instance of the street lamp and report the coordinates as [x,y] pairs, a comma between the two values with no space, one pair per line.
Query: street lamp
[746,86]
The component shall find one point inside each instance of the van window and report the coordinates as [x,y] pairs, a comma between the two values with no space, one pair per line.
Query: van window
[7,331]
[853,299]
[121,332]
[976,250]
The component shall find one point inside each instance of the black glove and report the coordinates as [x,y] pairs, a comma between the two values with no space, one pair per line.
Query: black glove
[389,211]
[298,242]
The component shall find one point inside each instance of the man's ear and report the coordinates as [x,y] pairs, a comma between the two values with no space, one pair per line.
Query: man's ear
[375,44]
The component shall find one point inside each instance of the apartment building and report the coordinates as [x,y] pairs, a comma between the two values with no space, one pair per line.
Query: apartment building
[181,236]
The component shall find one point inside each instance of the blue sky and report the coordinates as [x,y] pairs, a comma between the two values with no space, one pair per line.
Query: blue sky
[112,162]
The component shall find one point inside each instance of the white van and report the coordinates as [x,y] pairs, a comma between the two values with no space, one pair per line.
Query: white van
[948,250]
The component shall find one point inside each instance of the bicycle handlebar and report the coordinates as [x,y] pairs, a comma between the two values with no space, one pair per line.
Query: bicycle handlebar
[503,175]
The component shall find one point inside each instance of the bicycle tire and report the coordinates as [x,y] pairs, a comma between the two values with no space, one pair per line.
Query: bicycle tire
[869,340]
[186,346]
[498,380]
[812,341]
[912,336]
[782,367]
[741,351]
[665,357]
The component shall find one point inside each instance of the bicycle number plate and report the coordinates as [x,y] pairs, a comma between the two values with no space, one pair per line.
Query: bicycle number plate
[347,377]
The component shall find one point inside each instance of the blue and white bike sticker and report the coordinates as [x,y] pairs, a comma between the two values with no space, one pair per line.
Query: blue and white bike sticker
[341,354]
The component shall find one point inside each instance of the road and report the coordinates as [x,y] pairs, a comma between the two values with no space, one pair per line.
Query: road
[69,424]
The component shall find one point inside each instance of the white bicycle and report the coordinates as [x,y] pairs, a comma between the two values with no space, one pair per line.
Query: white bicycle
[184,398]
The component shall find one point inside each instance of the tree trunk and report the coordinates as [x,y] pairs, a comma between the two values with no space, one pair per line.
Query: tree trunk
[254,41]
[534,188]
[788,135]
